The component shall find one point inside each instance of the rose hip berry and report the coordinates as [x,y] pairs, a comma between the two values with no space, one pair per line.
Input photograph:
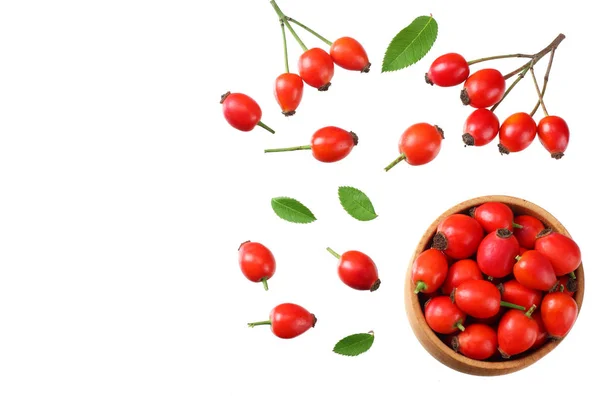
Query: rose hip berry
[477,341]
[328,144]
[443,316]
[256,262]
[517,132]
[553,133]
[458,236]
[483,88]
[348,53]
[533,270]
[530,227]
[357,270]
[542,335]
[559,313]
[514,292]
[493,215]
[448,70]
[315,67]
[562,251]
[481,127]
[459,272]
[419,144]
[517,332]
[242,112]
[496,253]
[288,92]
[288,321]
[479,299]
[429,271]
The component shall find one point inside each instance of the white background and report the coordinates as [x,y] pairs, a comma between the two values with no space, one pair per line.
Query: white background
[125,194]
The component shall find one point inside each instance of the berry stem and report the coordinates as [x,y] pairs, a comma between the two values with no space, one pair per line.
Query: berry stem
[328,42]
[264,126]
[396,161]
[546,77]
[308,147]
[265,284]
[511,87]
[420,287]
[572,275]
[253,324]
[285,51]
[537,89]
[517,55]
[284,20]
[515,225]
[460,326]
[511,305]
[336,255]
[531,310]
[538,56]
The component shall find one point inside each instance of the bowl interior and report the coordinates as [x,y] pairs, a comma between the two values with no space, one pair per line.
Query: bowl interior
[434,344]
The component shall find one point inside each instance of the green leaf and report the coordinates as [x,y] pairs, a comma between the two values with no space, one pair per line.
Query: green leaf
[411,44]
[354,345]
[356,203]
[292,210]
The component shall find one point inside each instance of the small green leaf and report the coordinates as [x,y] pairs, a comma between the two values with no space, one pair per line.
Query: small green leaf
[356,203]
[292,210]
[354,345]
[411,44]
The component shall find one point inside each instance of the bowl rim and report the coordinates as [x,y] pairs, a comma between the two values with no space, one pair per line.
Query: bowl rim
[471,366]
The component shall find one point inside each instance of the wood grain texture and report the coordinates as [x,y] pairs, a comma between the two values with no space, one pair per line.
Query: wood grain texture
[433,344]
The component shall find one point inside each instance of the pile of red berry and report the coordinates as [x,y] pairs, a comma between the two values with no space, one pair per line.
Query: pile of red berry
[486,88]
[485,275]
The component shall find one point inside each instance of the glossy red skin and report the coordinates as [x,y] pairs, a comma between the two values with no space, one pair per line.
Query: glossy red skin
[442,315]
[531,228]
[542,335]
[515,293]
[496,255]
[420,143]
[431,268]
[448,70]
[522,250]
[516,333]
[459,272]
[494,215]
[559,313]
[553,133]
[483,126]
[517,132]
[256,261]
[348,53]
[315,66]
[331,144]
[358,271]
[564,281]
[477,341]
[463,234]
[491,321]
[533,270]
[241,111]
[485,87]
[288,92]
[564,254]
[478,298]
[289,320]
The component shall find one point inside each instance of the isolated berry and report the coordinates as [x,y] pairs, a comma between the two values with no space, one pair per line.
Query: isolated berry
[357,270]
[448,70]
[288,320]
[242,112]
[419,144]
[288,92]
[553,133]
[481,127]
[483,88]
[516,133]
[256,262]
[348,53]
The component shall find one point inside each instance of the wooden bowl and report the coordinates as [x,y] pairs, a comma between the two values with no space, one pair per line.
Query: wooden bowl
[430,340]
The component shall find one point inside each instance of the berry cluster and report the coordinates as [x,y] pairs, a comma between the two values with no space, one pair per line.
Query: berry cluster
[485,274]
[486,88]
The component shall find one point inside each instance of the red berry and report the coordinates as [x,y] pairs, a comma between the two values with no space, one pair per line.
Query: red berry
[567,285]
[357,270]
[477,341]
[443,316]
[483,88]
[517,332]
[478,298]
[419,144]
[514,292]
[516,133]
[461,271]
[288,320]
[553,133]
[496,253]
[256,262]
[527,233]
[533,270]
[481,127]
[458,236]
[559,313]
[331,144]
[493,215]
[448,70]
[288,92]
[242,112]
[316,68]
[429,271]
[348,53]
[542,335]
[561,250]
